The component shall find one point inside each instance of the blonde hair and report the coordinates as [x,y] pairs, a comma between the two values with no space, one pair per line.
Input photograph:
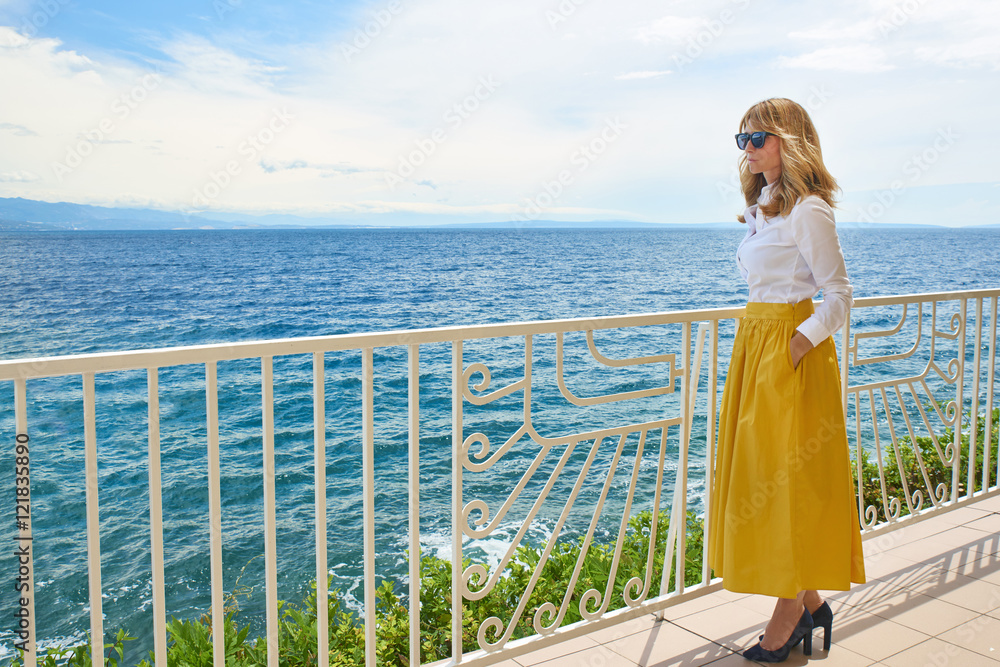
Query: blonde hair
[802,170]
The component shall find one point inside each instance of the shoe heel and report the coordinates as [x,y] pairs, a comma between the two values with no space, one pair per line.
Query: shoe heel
[823,618]
[807,644]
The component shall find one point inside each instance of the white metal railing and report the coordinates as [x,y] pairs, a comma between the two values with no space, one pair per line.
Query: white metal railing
[586,418]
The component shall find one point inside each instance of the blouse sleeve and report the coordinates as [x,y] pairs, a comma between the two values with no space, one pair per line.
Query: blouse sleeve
[815,234]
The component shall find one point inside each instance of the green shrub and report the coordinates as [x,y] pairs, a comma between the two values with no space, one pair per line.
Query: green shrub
[189,642]
[937,471]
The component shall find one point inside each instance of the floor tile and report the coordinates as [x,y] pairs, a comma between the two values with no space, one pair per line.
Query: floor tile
[693,606]
[933,547]
[599,656]
[920,612]
[862,594]
[615,632]
[963,515]
[988,524]
[992,504]
[563,648]
[762,604]
[668,644]
[873,636]
[909,531]
[730,625]
[880,564]
[986,568]
[981,635]
[935,652]
[979,596]
[732,660]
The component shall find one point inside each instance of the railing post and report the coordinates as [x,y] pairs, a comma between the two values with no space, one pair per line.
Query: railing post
[368,501]
[687,412]
[215,515]
[457,439]
[974,400]
[319,473]
[93,519]
[414,498]
[991,380]
[156,519]
[960,398]
[270,509]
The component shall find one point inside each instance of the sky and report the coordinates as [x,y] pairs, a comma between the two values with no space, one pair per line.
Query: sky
[457,111]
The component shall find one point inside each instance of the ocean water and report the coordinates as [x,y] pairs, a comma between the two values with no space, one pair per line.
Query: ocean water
[80,292]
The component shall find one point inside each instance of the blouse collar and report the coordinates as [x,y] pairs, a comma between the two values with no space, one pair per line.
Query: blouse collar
[765,193]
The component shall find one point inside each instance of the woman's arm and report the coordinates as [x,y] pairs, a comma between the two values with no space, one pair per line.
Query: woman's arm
[815,234]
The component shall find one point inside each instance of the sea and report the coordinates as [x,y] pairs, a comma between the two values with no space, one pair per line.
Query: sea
[97,291]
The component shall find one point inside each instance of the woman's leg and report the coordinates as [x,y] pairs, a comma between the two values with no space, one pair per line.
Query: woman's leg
[812,600]
[787,613]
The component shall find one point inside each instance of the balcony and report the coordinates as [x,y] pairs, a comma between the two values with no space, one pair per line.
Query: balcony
[933,598]
[474,444]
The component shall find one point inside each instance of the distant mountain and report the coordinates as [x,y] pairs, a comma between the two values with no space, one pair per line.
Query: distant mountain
[17,214]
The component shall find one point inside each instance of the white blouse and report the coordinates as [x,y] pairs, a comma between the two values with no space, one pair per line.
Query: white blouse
[789,259]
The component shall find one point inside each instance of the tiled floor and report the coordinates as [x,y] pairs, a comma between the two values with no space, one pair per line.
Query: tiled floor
[932,598]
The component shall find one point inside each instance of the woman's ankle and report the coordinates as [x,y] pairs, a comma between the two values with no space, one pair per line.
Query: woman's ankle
[812,601]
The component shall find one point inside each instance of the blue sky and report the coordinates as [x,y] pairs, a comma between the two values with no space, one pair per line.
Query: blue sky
[440,111]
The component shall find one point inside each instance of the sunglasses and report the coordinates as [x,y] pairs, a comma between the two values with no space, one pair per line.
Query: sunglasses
[755,138]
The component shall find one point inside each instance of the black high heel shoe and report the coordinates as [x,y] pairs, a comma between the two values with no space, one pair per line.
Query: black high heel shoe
[801,633]
[823,617]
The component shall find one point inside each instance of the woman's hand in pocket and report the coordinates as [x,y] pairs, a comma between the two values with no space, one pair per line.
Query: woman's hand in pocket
[798,346]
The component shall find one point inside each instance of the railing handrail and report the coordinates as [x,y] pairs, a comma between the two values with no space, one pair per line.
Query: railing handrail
[101,362]
[684,373]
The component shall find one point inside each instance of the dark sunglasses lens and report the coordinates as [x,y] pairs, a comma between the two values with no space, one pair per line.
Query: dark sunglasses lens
[741,140]
[758,138]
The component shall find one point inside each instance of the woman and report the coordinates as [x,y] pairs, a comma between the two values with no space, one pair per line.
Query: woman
[783,516]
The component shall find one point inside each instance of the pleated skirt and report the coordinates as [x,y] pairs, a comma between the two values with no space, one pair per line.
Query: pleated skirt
[784,514]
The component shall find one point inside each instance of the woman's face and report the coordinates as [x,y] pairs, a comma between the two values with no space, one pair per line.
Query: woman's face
[766,159]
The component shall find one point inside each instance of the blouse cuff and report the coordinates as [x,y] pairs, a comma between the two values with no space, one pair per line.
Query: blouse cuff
[814,330]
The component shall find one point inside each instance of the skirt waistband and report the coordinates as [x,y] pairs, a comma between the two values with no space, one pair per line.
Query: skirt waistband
[793,312]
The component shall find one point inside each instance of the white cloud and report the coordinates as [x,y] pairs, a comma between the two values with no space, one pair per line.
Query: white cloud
[210,68]
[18,130]
[411,90]
[629,76]
[674,29]
[857,58]
[980,52]
[18,177]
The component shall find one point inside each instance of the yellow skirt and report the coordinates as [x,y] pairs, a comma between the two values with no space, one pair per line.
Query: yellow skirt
[784,514]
